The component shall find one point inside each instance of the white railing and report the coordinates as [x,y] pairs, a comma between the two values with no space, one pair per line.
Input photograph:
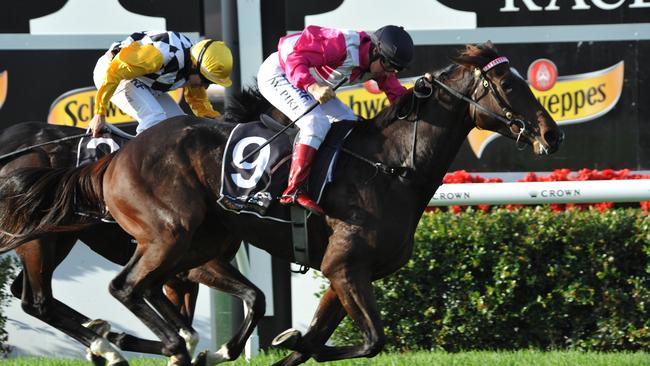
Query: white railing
[633,190]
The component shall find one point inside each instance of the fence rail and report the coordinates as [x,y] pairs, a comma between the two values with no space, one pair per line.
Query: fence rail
[634,190]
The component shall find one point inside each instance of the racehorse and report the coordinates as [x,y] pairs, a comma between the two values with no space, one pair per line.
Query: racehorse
[41,256]
[163,190]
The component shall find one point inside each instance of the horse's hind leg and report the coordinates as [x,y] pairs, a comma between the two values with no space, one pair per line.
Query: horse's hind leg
[182,293]
[329,314]
[221,275]
[33,286]
[148,268]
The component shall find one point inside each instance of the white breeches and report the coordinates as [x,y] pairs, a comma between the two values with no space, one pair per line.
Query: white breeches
[145,105]
[293,102]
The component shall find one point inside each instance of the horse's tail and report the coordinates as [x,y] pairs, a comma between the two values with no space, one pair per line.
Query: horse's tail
[37,201]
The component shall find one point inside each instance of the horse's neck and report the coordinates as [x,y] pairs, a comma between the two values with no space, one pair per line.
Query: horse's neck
[443,125]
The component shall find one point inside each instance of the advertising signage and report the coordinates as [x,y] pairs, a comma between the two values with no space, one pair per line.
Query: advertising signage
[584,61]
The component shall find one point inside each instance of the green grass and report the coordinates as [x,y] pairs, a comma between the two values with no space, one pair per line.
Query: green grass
[527,358]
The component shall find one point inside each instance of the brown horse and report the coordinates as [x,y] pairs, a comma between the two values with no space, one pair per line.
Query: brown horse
[163,191]
[40,257]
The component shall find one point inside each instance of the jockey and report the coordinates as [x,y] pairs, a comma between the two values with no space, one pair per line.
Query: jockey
[136,73]
[303,71]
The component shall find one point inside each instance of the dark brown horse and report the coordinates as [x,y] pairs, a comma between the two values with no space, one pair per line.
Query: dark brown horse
[163,191]
[40,257]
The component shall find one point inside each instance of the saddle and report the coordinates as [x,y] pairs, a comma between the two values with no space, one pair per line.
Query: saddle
[91,149]
[254,186]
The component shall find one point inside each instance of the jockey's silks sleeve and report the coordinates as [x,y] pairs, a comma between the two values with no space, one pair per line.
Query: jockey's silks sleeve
[197,99]
[131,62]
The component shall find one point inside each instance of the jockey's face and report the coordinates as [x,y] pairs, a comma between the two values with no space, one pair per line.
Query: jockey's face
[379,71]
[195,81]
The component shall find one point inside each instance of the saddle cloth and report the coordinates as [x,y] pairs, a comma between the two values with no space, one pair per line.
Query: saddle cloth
[254,186]
[91,149]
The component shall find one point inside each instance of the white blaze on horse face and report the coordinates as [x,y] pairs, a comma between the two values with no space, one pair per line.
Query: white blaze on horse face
[258,165]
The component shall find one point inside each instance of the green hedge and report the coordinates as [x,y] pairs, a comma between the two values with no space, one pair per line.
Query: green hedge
[528,278]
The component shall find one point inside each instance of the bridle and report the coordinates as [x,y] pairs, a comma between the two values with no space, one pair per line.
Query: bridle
[481,77]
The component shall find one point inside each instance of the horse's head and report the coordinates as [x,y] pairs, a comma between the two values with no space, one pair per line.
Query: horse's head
[504,101]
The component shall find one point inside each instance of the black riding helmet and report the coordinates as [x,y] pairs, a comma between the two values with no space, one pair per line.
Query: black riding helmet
[394,45]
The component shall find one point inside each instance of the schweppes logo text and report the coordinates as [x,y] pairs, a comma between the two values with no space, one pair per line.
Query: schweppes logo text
[4,84]
[76,108]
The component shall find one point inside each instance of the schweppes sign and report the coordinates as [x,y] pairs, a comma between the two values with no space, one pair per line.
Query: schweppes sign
[4,84]
[572,99]
[76,108]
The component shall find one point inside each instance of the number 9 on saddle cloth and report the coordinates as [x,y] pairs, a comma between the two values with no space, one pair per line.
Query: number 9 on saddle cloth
[253,186]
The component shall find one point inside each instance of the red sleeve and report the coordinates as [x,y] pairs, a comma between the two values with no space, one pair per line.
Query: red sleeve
[392,87]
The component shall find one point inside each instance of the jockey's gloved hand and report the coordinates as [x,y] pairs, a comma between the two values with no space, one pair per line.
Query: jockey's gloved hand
[322,93]
[423,87]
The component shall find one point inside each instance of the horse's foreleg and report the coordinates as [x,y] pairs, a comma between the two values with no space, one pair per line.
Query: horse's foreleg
[354,289]
[327,317]
[222,276]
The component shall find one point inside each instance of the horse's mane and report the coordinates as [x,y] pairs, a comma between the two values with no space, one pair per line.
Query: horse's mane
[246,106]
[473,55]
[476,55]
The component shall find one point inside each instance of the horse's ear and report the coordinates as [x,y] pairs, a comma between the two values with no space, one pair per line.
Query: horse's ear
[491,46]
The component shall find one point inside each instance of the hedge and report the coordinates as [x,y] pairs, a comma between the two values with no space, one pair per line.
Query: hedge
[522,278]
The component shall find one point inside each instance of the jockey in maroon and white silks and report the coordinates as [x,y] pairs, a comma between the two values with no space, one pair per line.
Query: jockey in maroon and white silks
[306,67]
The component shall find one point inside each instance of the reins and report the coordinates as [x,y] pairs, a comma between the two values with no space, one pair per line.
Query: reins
[28,148]
[418,95]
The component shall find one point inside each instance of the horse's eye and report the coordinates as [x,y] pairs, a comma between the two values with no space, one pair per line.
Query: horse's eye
[506,86]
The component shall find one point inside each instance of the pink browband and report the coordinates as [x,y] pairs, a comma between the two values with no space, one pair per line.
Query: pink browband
[493,63]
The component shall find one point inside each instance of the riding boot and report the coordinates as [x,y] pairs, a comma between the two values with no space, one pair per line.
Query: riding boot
[301,161]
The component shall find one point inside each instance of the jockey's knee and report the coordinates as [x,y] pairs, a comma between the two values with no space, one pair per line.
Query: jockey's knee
[313,129]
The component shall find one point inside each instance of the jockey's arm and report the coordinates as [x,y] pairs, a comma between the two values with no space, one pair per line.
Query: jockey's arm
[131,62]
[391,86]
[197,99]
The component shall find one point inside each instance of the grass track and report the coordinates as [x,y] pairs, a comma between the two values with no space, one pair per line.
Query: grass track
[527,358]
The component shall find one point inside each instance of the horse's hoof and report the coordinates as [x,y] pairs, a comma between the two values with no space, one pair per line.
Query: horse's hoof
[99,326]
[207,358]
[96,360]
[200,359]
[287,339]
[121,363]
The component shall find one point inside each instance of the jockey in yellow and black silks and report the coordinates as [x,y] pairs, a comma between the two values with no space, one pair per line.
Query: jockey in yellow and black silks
[137,73]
